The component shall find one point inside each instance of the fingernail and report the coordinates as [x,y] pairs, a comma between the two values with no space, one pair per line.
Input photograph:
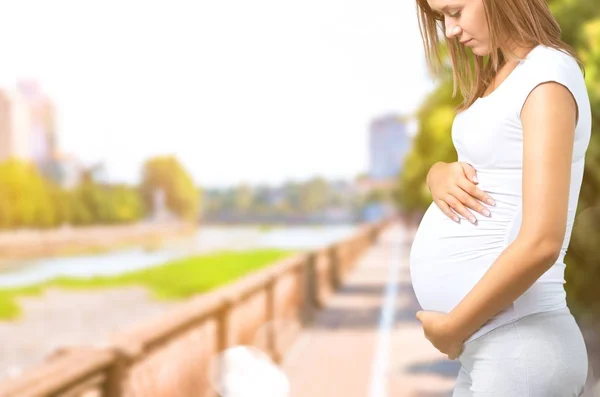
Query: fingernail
[456,219]
[475,179]
[486,212]
[472,220]
[491,202]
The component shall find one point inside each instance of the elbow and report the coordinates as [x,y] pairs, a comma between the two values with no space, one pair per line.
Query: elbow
[546,249]
[553,252]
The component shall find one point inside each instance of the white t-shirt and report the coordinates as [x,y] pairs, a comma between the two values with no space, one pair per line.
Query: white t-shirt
[447,258]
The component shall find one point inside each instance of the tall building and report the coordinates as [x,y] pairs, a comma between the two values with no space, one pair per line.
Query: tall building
[27,124]
[28,132]
[15,126]
[389,143]
[43,128]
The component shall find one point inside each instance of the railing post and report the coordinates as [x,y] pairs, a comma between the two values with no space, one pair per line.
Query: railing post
[271,331]
[336,271]
[306,290]
[315,282]
[223,336]
[118,373]
[224,325]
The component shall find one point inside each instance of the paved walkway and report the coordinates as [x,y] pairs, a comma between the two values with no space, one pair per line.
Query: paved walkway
[367,342]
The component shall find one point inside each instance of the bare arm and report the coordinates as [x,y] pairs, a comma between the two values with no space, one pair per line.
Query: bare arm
[548,118]
[430,171]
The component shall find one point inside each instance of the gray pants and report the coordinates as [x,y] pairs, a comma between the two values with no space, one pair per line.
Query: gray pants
[540,355]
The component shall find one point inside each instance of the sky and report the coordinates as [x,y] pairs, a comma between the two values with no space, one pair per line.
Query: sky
[252,92]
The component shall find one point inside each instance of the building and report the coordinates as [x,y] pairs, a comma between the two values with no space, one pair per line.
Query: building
[28,132]
[16,138]
[389,142]
[27,124]
[65,169]
[43,140]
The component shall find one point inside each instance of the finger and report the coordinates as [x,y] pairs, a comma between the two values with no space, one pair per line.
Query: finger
[456,352]
[459,208]
[469,171]
[447,210]
[469,201]
[475,192]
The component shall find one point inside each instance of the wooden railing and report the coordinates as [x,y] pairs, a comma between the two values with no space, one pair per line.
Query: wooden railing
[170,355]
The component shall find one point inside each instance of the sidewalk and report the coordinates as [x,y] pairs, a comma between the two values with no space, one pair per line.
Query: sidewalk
[367,342]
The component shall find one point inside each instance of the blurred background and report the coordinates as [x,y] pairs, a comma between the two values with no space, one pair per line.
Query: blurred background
[153,151]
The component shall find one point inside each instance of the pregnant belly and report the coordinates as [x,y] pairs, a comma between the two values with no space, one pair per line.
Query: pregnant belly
[447,258]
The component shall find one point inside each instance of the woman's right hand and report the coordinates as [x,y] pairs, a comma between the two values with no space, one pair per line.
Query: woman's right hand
[453,188]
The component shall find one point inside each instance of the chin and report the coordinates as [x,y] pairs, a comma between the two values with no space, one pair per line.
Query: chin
[480,51]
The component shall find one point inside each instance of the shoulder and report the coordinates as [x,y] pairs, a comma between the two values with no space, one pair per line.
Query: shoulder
[547,64]
[544,59]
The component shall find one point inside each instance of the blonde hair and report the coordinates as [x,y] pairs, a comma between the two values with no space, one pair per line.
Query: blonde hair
[526,22]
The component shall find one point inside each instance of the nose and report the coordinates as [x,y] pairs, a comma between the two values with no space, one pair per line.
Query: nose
[452,30]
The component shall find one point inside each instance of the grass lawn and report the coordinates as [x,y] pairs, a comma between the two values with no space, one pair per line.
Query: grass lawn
[173,280]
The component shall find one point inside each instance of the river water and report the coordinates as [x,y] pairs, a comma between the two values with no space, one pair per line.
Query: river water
[207,239]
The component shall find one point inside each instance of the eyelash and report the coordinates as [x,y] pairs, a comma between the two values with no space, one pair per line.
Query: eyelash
[440,17]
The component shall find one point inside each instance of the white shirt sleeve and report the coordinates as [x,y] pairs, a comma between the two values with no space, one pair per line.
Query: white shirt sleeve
[546,67]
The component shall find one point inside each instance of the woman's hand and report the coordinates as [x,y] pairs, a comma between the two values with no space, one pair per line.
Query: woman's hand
[439,333]
[453,188]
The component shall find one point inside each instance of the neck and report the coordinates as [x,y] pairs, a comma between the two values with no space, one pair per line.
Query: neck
[520,51]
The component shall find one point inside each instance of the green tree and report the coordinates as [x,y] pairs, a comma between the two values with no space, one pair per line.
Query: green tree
[314,195]
[25,197]
[244,199]
[432,143]
[167,173]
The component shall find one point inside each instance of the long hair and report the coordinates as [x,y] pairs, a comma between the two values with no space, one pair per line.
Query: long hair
[525,22]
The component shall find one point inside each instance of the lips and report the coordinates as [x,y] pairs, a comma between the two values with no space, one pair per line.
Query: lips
[466,42]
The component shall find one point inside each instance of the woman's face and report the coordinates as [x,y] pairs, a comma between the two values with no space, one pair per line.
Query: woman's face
[465,20]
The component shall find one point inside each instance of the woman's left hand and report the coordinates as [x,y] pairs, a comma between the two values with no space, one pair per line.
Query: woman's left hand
[439,333]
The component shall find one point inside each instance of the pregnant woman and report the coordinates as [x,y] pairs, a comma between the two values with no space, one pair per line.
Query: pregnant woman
[491,284]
